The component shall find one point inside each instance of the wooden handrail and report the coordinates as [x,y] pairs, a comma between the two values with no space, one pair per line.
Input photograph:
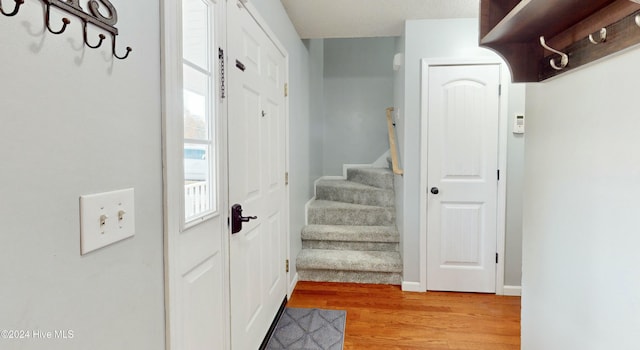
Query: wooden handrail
[392,144]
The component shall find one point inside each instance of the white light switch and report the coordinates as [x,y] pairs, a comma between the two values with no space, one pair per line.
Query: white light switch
[106,218]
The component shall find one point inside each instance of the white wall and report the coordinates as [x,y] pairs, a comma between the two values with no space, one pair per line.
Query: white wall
[75,122]
[358,87]
[581,215]
[304,148]
[450,38]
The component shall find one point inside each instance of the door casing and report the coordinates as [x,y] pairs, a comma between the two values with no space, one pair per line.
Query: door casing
[502,164]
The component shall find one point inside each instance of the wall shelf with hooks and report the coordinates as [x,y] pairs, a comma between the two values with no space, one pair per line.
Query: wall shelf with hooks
[94,16]
[514,29]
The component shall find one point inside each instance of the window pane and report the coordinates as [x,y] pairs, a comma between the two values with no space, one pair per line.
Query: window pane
[199,188]
[195,32]
[196,104]
[199,115]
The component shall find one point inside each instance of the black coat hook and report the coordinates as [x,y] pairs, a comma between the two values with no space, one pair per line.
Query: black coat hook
[113,49]
[86,41]
[65,21]
[15,9]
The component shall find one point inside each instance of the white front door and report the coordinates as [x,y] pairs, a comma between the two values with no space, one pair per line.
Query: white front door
[463,119]
[196,260]
[256,73]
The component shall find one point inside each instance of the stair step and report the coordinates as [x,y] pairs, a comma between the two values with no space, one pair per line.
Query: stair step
[354,192]
[347,233]
[376,177]
[349,260]
[344,237]
[349,266]
[322,212]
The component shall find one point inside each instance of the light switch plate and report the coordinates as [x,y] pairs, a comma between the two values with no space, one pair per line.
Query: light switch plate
[106,218]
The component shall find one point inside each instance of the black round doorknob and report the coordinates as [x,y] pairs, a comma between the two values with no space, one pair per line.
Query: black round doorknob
[435,190]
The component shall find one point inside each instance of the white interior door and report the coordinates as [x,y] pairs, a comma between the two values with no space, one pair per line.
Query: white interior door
[463,120]
[196,260]
[256,73]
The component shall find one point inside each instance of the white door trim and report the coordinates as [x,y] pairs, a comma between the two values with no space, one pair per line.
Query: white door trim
[291,281]
[502,161]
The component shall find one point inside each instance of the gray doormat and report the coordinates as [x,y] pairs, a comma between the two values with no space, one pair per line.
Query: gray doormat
[309,329]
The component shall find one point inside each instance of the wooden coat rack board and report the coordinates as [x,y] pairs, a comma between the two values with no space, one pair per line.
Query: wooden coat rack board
[575,32]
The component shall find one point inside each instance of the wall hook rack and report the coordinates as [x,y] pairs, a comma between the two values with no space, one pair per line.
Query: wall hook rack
[564,58]
[603,37]
[16,8]
[93,17]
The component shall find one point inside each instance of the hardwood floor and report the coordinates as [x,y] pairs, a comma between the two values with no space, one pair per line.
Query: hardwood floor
[384,317]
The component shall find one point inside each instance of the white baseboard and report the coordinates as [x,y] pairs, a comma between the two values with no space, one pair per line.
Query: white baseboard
[292,285]
[513,291]
[412,287]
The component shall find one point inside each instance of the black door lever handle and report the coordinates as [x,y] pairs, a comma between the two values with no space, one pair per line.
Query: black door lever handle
[237,219]
[247,218]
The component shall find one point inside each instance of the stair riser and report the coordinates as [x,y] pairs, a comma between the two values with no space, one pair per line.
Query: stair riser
[346,233]
[360,217]
[364,246]
[350,276]
[384,181]
[381,198]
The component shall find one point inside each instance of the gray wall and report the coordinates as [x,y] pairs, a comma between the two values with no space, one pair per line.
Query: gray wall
[515,177]
[358,87]
[316,105]
[305,148]
[452,38]
[398,99]
[73,122]
[581,229]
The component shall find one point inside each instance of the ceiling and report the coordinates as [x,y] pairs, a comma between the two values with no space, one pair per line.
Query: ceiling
[369,18]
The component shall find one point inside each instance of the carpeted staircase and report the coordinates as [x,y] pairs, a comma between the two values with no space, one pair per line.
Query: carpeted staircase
[352,235]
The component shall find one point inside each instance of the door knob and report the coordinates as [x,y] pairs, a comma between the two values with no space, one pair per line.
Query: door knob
[237,219]
[435,190]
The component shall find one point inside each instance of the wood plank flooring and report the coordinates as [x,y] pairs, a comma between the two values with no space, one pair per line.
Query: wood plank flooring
[384,317]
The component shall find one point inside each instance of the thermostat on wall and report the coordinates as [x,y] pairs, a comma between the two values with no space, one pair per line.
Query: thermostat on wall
[518,124]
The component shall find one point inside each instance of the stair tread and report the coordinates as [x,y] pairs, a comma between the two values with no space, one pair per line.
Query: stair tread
[346,184]
[348,233]
[349,260]
[373,170]
[376,177]
[321,203]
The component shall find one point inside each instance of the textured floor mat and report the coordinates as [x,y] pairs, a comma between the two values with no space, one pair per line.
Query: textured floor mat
[309,329]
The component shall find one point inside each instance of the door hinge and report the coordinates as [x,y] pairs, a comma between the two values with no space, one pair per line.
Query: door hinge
[500,90]
[221,59]
[498,171]
[496,258]
[286,178]
[286,89]
[287,265]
